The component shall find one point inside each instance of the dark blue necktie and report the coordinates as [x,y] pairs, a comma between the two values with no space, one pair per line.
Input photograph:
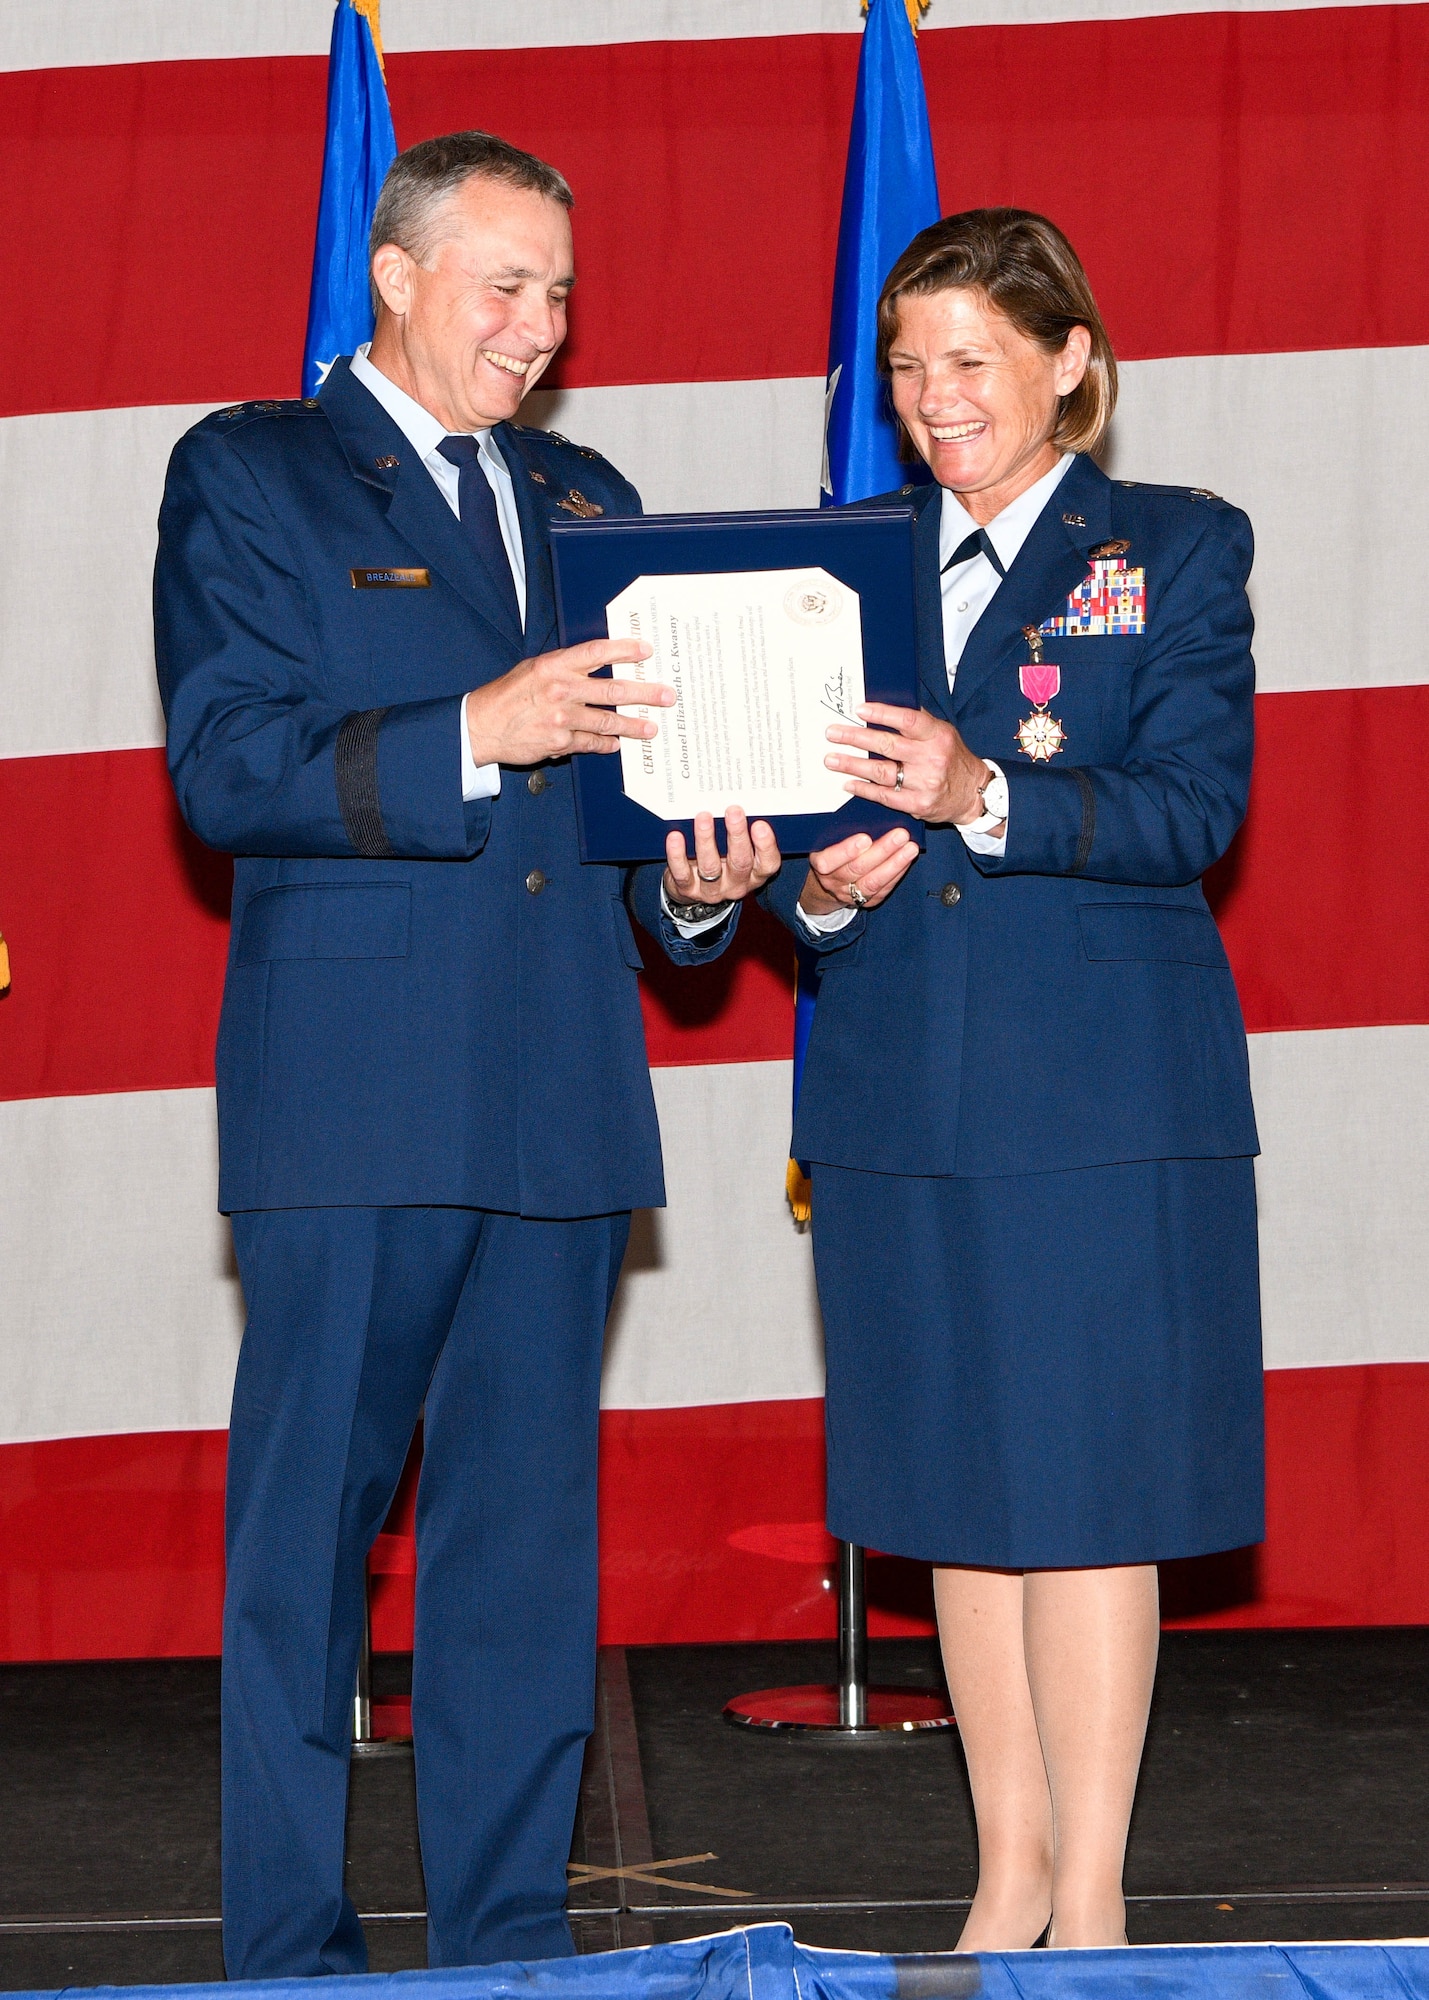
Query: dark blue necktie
[479,519]
[977,544]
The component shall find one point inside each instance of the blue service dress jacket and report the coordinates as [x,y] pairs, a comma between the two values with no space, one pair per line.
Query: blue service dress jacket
[427,1001]
[1068,1003]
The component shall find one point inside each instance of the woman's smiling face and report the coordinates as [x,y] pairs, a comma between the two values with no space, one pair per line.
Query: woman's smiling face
[978,398]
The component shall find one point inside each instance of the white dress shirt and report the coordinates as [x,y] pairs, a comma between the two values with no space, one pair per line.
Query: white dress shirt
[968,589]
[971,586]
[425,434]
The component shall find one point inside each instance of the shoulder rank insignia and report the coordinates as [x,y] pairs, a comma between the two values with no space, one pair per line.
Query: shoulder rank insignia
[269,408]
[576,503]
[1180,492]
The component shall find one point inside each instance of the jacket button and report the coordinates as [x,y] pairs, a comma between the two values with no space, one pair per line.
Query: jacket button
[537,783]
[949,894]
[535,882]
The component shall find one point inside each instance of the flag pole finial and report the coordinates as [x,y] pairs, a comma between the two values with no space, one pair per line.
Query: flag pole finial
[371,11]
[915,10]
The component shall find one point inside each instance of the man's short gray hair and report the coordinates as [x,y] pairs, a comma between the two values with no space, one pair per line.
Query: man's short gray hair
[421,179]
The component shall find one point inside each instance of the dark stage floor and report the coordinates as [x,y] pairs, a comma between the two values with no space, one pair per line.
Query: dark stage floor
[1285,1795]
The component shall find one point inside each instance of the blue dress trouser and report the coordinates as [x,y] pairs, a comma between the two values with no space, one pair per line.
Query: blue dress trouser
[359,1320]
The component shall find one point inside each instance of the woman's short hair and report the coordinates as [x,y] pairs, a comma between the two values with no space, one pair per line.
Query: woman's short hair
[1025,267]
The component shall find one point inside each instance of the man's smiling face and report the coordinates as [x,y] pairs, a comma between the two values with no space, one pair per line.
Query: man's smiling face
[470,329]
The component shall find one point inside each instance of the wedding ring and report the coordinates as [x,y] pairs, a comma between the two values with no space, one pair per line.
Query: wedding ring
[857,897]
[898,781]
[706,878]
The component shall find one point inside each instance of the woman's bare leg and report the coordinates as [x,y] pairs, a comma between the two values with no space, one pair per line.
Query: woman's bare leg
[1090,1638]
[980,1625]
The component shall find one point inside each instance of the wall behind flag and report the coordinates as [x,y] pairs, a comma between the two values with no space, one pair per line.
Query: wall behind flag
[166,208]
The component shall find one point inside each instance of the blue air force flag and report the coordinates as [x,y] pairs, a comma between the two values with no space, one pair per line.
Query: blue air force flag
[359,149]
[890,193]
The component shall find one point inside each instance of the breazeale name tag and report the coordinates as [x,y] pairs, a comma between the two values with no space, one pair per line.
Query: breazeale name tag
[390,579]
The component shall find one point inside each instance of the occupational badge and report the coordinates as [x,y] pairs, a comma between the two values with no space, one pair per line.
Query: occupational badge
[576,503]
[1109,602]
[1041,736]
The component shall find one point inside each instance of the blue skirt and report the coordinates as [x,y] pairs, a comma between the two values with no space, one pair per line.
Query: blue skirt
[1043,1371]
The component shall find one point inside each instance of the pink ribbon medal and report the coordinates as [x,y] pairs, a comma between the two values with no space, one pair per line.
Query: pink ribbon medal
[1041,736]
[1040,682]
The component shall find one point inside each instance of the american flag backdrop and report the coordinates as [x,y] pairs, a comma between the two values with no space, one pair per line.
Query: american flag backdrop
[1249,188]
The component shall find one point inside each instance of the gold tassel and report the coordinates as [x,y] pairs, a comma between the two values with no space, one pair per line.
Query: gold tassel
[915,10]
[371,10]
[800,1191]
[4,967]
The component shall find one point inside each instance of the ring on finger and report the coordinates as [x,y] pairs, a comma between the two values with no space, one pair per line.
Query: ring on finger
[857,897]
[898,781]
[707,878]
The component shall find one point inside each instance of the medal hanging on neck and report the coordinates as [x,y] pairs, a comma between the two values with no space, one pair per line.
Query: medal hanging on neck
[1041,736]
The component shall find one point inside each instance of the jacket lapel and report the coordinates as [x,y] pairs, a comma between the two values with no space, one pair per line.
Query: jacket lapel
[535,544]
[928,601]
[415,507]
[1048,567]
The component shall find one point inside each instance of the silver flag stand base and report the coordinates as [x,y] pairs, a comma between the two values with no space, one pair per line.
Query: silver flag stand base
[852,1712]
[379,1728]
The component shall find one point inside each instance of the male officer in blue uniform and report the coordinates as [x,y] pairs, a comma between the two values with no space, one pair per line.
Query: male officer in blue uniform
[435,1111]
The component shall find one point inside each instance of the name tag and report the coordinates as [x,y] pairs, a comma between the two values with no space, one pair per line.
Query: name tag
[390,579]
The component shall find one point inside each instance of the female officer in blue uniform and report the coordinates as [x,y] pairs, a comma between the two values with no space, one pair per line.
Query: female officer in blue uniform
[1026,1097]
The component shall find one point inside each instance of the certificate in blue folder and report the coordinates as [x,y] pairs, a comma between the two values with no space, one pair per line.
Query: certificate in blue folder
[770,626]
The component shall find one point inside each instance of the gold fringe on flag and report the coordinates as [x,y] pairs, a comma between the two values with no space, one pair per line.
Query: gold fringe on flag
[916,9]
[4,967]
[800,1191]
[371,10]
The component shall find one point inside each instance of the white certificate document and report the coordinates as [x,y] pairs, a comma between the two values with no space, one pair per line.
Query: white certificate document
[762,661]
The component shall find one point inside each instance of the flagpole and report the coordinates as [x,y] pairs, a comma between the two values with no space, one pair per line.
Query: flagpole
[358,147]
[890,193]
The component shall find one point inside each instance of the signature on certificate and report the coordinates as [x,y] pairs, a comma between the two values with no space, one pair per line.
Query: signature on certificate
[835,697]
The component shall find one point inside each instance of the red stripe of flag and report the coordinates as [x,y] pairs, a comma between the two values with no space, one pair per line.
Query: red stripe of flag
[112,1547]
[116,916]
[1236,183]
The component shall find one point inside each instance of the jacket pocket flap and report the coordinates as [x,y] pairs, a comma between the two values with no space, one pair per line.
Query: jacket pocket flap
[1166,931]
[327,920]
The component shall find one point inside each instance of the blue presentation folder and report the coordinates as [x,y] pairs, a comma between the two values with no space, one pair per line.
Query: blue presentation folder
[870,550]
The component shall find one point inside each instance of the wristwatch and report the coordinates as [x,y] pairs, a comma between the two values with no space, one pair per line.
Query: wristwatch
[696,913]
[993,794]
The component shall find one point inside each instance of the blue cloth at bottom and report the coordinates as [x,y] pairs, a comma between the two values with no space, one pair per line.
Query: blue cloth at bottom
[765,1963]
